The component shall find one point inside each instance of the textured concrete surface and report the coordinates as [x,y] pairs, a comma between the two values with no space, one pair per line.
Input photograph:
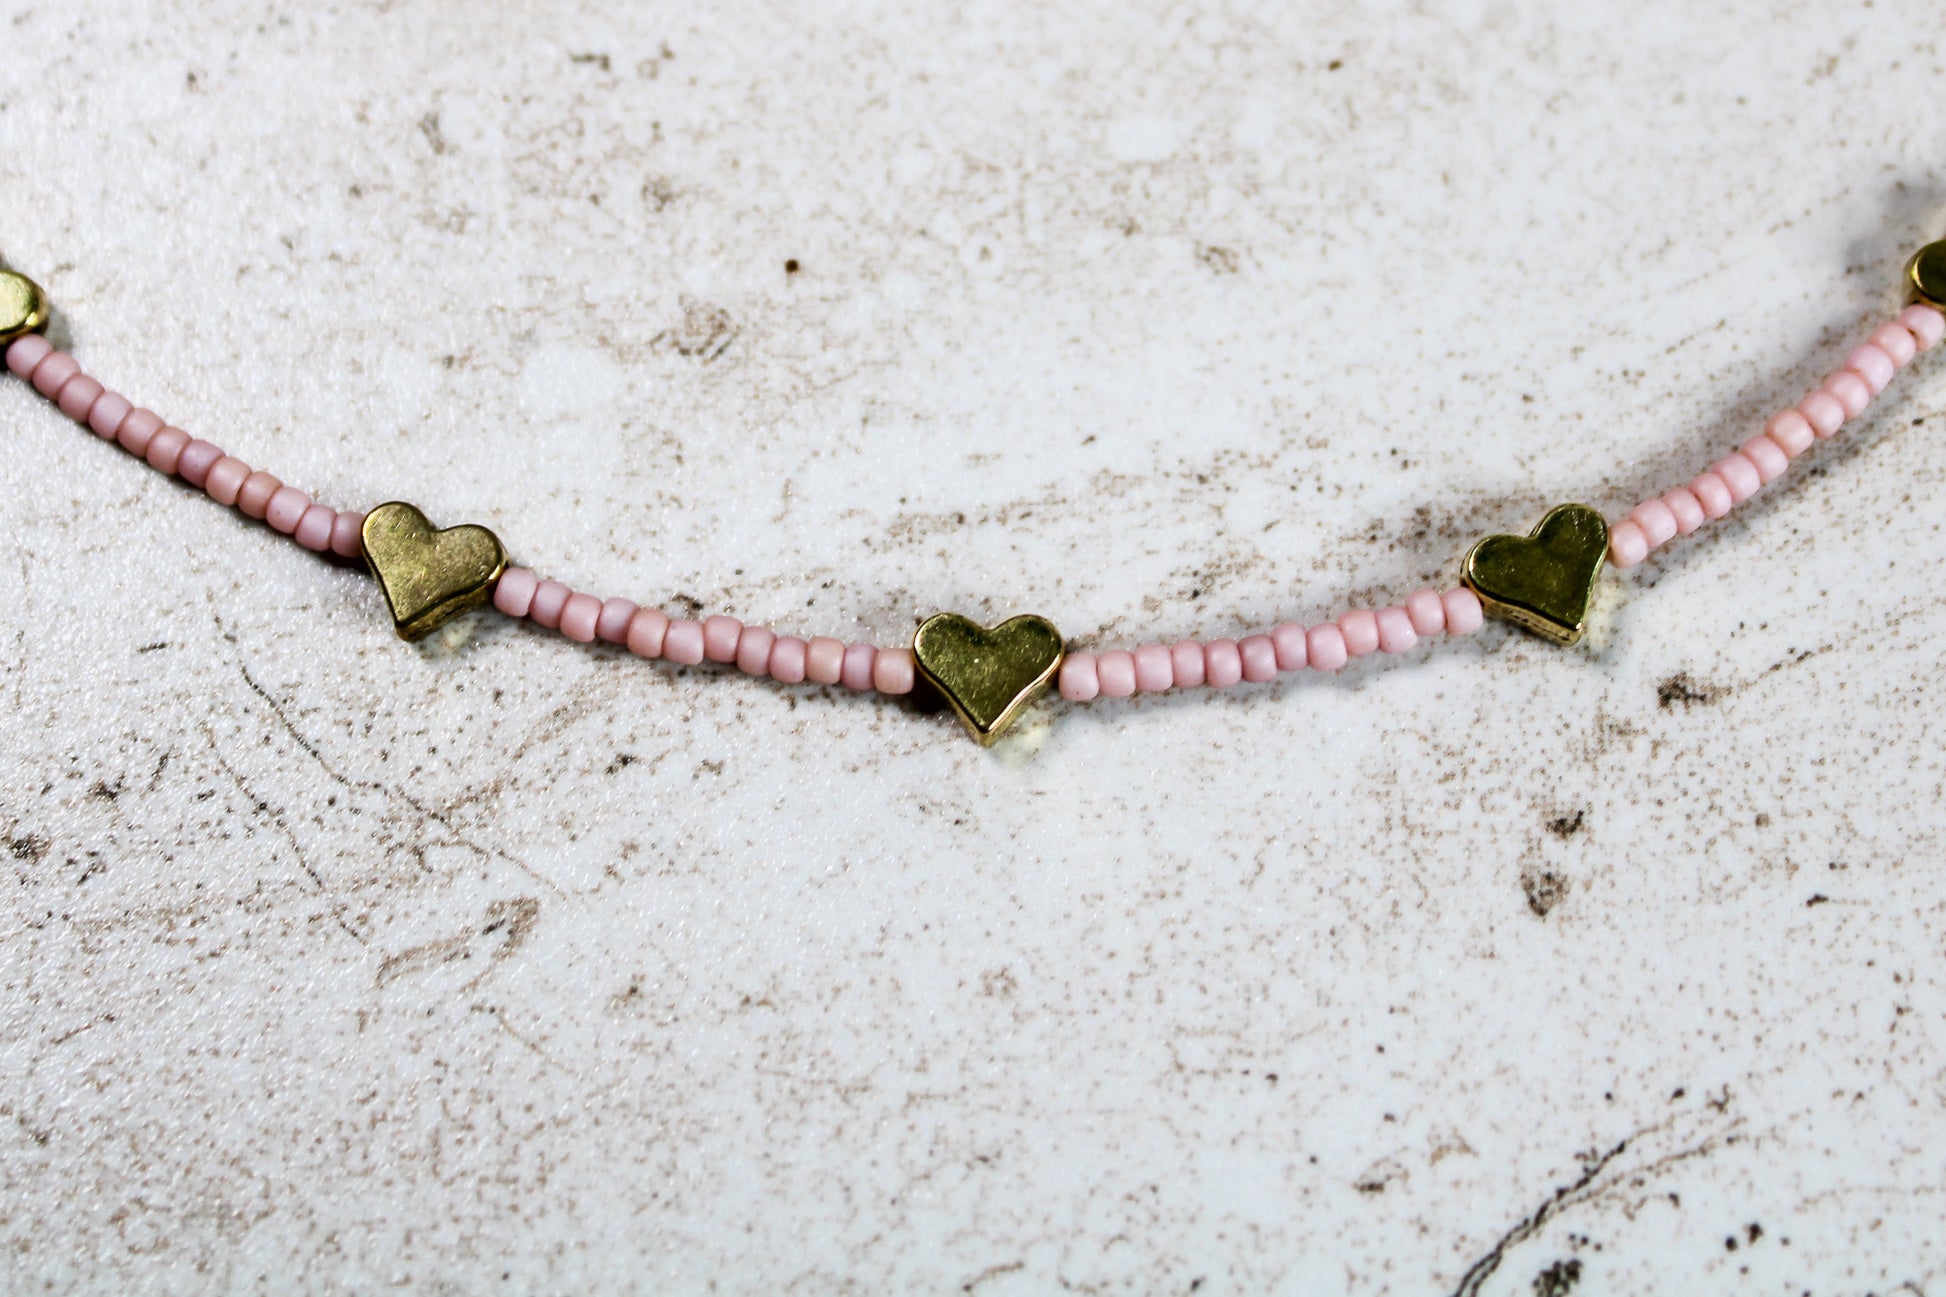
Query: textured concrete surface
[500,965]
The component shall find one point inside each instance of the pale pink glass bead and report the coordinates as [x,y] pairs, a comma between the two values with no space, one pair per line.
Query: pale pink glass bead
[348,533]
[1851,391]
[1464,615]
[1116,668]
[1791,431]
[1822,411]
[685,642]
[646,630]
[1926,325]
[550,598]
[1655,520]
[165,448]
[226,477]
[193,465]
[284,508]
[824,660]
[79,397]
[137,429]
[1895,341]
[26,353]
[1080,682]
[788,658]
[514,593]
[1428,613]
[1360,626]
[1222,663]
[254,496]
[1155,670]
[1739,474]
[1713,493]
[892,671]
[1259,654]
[753,650]
[53,373]
[1186,664]
[313,530]
[616,613]
[1395,633]
[720,636]
[1686,507]
[106,418]
[1324,647]
[858,666]
[1627,545]
[1288,640]
[578,617]
[1870,362]
[1767,455]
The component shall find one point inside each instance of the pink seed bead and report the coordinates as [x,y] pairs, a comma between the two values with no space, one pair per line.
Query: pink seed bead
[646,630]
[226,477]
[1627,545]
[1739,474]
[1080,682]
[79,397]
[1222,663]
[1767,455]
[1116,668]
[1822,411]
[1463,612]
[550,600]
[824,660]
[1155,670]
[348,534]
[137,429]
[53,373]
[616,613]
[286,506]
[1791,431]
[1259,654]
[892,671]
[254,497]
[314,528]
[578,617]
[753,650]
[1395,633]
[1851,391]
[858,666]
[720,635]
[27,352]
[514,594]
[165,449]
[1187,665]
[1895,342]
[685,642]
[193,465]
[1324,647]
[788,659]
[1427,612]
[1871,363]
[1713,493]
[1926,325]
[1655,520]
[106,418]
[1687,508]
[1360,626]
[1288,640]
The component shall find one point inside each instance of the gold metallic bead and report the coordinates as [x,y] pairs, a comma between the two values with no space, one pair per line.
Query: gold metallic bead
[1542,581]
[987,675]
[429,577]
[1925,275]
[23,307]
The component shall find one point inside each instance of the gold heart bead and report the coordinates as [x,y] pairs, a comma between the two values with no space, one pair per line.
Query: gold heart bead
[429,577]
[1925,275]
[1542,581]
[987,675]
[23,307]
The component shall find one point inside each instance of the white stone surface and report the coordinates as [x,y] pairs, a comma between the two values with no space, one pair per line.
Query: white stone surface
[503,965]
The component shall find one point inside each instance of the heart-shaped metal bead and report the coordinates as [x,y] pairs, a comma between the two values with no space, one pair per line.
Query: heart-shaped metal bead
[429,577]
[1542,581]
[987,675]
[23,307]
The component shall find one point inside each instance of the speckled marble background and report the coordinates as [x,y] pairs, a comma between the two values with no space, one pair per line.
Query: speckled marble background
[332,965]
